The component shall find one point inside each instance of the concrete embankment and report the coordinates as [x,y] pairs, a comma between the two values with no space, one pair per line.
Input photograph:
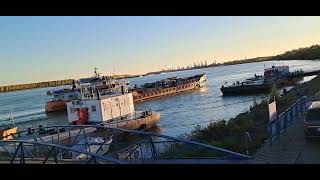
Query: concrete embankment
[35,85]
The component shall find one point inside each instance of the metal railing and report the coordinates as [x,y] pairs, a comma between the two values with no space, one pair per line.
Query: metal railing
[128,146]
[285,119]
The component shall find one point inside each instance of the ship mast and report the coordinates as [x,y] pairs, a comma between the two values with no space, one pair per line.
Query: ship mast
[95,72]
[11,117]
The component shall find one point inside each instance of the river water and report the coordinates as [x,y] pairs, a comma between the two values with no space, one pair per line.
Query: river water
[179,113]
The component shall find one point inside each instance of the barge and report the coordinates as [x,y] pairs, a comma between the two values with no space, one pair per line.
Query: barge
[276,75]
[168,86]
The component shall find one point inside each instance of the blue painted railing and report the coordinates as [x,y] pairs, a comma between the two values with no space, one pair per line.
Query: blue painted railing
[144,147]
[285,119]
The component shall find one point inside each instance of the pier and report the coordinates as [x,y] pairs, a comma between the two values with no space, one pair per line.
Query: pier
[300,74]
[35,85]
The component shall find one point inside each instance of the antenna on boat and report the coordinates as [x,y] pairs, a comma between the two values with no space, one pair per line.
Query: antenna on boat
[95,72]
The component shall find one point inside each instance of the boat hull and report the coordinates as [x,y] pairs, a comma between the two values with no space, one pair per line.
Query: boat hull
[244,89]
[159,92]
[54,106]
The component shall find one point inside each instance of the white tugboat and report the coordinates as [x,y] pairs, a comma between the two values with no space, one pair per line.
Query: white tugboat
[112,107]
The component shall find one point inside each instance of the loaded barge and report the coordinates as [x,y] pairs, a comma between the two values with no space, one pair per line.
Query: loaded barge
[167,87]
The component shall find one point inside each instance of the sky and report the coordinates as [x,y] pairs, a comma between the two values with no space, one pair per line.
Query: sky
[34,49]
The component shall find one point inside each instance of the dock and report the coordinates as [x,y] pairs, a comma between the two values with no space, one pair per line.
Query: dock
[304,73]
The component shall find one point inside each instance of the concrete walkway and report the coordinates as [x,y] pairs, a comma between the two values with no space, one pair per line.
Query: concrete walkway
[291,148]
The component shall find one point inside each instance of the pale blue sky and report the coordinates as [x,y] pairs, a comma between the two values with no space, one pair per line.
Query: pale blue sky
[36,49]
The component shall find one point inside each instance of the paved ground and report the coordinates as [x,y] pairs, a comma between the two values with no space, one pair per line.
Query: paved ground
[292,148]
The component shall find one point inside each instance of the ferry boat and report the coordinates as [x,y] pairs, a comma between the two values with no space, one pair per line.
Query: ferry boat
[62,96]
[110,108]
[276,75]
[167,87]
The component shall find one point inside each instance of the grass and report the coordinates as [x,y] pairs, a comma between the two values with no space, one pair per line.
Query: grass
[230,135]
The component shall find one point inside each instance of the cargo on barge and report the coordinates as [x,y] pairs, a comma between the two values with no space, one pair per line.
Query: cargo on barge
[276,75]
[167,87]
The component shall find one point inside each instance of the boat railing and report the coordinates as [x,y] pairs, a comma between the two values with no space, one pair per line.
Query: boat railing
[128,118]
[277,127]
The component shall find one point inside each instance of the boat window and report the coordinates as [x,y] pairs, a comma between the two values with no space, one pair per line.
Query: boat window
[93,108]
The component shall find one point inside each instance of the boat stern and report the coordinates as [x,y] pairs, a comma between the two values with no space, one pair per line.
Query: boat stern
[53,106]
[202,80]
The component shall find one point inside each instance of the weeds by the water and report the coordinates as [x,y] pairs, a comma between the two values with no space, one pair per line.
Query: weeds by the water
[231,134]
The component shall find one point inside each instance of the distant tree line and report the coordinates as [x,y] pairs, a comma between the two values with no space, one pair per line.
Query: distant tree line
[308,53]
[35,85]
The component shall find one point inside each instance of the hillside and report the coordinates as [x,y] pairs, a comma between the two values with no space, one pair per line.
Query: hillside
[307,53]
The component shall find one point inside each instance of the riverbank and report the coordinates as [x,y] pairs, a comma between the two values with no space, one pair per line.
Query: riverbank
[230,135]
[307,53]
[19,87]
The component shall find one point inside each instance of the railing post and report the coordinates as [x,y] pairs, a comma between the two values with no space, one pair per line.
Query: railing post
[291,115]
[285,121]
[22,160]
[296,110]
[153,148]
[278,129]
[16,152]
[58,135]
[198,153]
[270,132]
[55,155]
[247,136]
